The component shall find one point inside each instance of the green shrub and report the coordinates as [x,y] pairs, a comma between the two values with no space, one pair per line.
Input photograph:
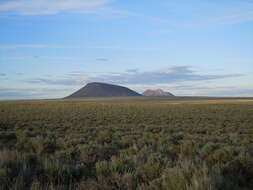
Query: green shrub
[126,144]
[44,145]
[7,139]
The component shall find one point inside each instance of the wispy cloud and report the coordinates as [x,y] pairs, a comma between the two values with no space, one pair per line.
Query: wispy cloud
[33,93]
[183,80]
[215,14]
[132,70]
[2,74]
[45,7]
[235,13]
[33,46]
[205,13]
[102,59]
[102,47]
[166,76]
[44,46]
[60,81]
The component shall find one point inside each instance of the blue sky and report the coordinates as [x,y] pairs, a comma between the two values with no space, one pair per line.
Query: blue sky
[50,48]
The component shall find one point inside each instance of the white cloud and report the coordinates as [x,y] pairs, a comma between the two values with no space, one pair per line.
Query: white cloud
[168,70]
[44,7]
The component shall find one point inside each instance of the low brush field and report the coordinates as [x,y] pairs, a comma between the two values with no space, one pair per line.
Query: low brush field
[127,144]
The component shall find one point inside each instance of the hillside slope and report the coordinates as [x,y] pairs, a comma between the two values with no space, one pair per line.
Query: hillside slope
[97,89]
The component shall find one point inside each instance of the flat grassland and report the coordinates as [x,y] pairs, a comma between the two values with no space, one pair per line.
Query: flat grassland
[125,144]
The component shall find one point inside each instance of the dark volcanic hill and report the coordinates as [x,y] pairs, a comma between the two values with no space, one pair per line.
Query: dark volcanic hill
[158,92]
[97,89]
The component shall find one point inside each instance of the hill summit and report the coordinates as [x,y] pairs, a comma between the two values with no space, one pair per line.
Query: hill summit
[158,92]
[97,89]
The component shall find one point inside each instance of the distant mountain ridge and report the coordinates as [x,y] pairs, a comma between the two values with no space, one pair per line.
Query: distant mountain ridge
[157,92]
[98,89]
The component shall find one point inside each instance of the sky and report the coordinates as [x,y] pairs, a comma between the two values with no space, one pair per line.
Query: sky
[51,48]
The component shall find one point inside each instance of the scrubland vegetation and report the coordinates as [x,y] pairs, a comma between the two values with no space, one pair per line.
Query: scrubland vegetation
[126,145]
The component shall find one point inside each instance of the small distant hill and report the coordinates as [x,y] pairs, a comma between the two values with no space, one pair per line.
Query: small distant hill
[158,92]
[97,89]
